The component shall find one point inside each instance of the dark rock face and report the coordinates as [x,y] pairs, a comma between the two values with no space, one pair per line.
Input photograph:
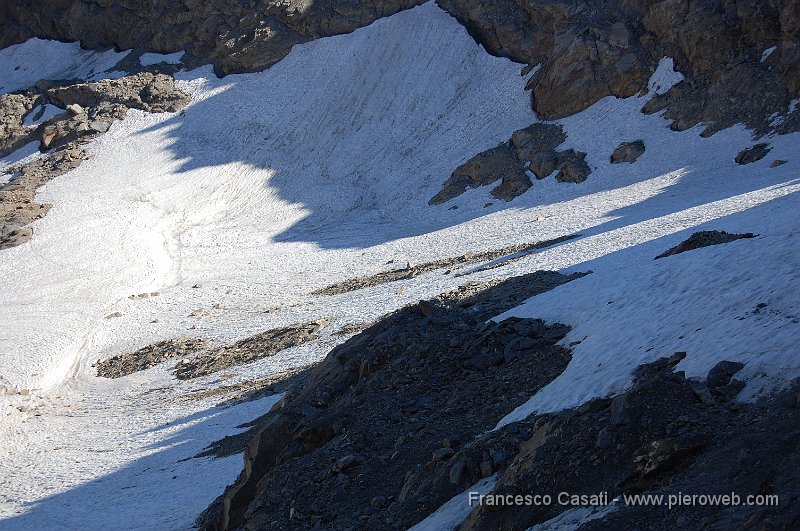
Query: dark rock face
[233,35]
[589,50]
[531,149]
[383,431]
[704,238]
[667,435]
[627,152]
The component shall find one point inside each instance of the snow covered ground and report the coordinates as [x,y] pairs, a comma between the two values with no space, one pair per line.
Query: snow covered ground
[272,185]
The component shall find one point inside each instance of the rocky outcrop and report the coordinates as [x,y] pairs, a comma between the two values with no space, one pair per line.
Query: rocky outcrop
[265,344]
[531,152]
[496,164]
[233,35]
[375,438]
[17,205]
[500,256]
[589,50]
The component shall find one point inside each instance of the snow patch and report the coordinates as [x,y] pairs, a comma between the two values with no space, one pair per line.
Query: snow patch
[23,155]
[40,114]
[22,65]
[765,55]
[665,77]
[148,59]
[573,518]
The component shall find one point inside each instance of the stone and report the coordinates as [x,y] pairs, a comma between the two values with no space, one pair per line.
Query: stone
[75,109]
[777,162]
[346,462]
[99,126]
[753,154]
[721,374]
[704,239]
[443,454]
[627,152]
[572,167]
[543,163]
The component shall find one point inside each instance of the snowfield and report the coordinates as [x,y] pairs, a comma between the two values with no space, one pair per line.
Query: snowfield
[274,184]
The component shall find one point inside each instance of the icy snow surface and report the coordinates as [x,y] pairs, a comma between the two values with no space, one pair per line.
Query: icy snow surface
[272,185]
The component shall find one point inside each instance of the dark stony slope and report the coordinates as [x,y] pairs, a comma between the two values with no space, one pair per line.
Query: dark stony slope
[384,430]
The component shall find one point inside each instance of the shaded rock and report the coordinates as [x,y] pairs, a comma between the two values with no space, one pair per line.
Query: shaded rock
[670,443]
[627,152]
[704,239]
[721,374]
[531,151]
[777,162]
[496,164]
[537,138]
[757,152]
[572,168]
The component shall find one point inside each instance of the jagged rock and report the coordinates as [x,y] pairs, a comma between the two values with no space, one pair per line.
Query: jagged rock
[757,152]
[145,91]
[704,239]
[537,138]
[533,147]
[627,152]
[590,50]
[777,162]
